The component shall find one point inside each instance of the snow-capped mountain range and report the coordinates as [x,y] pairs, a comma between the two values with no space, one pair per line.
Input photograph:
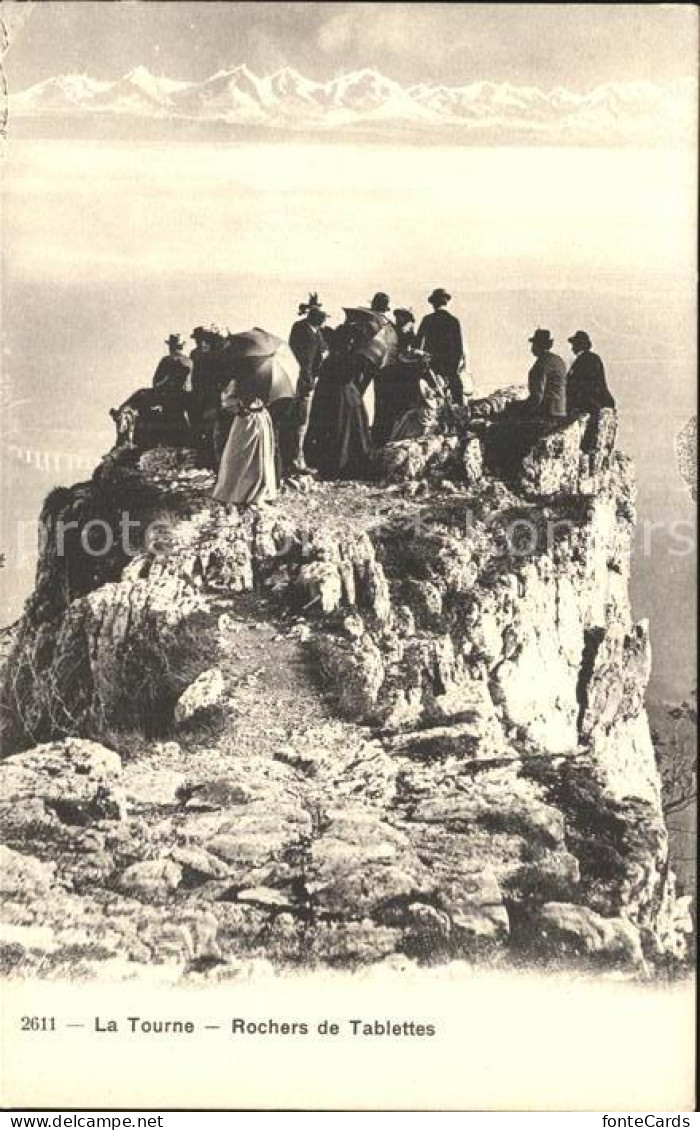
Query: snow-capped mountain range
[617,112]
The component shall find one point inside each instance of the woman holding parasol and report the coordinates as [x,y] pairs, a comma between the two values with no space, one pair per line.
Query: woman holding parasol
[264,370]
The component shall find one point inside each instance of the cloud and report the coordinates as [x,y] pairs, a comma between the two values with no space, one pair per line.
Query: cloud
[336,33]
[576,45]
[401,34]
[391,31]
[266,49]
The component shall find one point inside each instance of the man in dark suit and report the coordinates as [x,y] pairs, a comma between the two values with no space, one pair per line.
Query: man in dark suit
[173,370]
[524,422]
[440,335]
[380,303]
[308,344]
[587,387]
[546,380]
[168,402]
[200,357]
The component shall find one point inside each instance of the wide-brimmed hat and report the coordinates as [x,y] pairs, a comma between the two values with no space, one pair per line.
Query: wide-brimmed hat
[404,314]
[198,333]
[380,302]
[439,295]
[580,338]
[542,337]
[175,339]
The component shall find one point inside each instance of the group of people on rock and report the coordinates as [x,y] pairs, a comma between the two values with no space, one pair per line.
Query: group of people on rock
[556,394]
[555,397]
[323,429]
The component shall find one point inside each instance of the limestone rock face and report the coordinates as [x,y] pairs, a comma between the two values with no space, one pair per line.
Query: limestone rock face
[687,455]
[434,741]
[204,693]
[23,876]
[74,780]
[152,878]
[563,925]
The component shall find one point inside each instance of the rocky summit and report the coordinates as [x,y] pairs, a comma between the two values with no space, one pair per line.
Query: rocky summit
[392,721]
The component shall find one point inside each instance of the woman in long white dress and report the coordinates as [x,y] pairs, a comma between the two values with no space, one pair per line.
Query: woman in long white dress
[247,473]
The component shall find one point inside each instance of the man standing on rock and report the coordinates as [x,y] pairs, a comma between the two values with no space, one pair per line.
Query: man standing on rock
[200,357]
[381,304]
[440,335]
[587,388]
[308,345]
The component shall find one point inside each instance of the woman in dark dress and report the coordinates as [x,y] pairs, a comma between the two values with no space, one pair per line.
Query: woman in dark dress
[338,442]
[397,387]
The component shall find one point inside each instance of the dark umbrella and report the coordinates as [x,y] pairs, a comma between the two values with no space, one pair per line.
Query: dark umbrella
[263,366]
[379,338]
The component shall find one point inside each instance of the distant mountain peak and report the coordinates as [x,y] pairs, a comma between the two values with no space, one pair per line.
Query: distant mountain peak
[139,72]
[639,112]
[288,72]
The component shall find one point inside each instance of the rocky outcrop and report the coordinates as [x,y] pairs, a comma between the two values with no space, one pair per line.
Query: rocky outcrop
[687,455]
[674,729]
[409,718]
[205,693]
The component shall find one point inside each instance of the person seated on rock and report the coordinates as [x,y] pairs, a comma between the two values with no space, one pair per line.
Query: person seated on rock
[173,372]
[546,381]
[167,404]
[515,432]
[586,386]
[247,473]
[424,418]
[170,380]
[397,386]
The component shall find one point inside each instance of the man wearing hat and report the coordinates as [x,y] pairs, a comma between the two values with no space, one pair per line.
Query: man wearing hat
[308,345]
[546,380]
[170,382]
[587,388]
[198,356]
[167,396]
[204,393]
[380,303]
[173,370]
[440,335]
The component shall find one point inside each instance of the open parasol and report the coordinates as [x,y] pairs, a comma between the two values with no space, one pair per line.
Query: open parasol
[263,365]
[379,340]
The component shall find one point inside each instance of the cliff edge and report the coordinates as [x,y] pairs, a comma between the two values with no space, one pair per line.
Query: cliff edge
[401,720]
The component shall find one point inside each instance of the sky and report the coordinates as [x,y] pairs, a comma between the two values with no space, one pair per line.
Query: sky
[576,45]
